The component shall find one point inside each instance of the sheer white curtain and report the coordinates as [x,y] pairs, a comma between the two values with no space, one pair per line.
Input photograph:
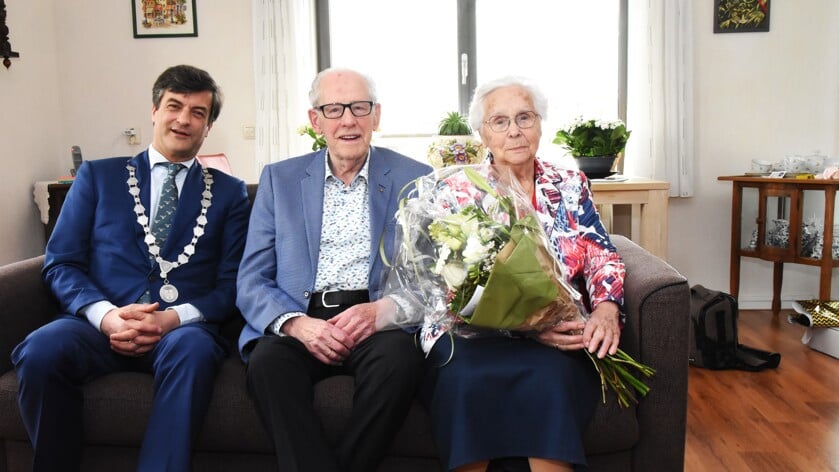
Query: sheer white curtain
[660,97]
[285,62]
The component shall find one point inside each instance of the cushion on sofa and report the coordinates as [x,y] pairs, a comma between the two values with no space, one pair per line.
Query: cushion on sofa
[117,400]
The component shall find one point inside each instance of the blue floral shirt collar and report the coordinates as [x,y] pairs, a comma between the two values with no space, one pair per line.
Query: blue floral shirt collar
[363,173]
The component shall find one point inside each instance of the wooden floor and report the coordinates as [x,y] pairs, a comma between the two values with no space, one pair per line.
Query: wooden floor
[784,419]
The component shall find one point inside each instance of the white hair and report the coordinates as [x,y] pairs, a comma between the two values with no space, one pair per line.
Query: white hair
[476,109]
[314,91]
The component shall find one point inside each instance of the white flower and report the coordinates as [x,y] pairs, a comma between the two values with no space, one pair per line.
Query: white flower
[486,234]
[445,251]
[470,226]
[454,273]
[475,251]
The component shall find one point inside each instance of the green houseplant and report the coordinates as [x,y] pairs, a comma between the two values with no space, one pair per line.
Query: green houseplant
[455,143]
[454,124]
[593,138]
[594,144]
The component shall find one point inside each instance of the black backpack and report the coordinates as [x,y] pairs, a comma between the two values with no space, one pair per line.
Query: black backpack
[713,340]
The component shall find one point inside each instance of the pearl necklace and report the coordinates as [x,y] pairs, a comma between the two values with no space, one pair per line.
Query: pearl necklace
[168,292]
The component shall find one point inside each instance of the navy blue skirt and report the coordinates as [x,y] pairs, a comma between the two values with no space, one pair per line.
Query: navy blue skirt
[508,397]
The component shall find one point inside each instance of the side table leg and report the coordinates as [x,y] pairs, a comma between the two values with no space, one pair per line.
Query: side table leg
[777,281]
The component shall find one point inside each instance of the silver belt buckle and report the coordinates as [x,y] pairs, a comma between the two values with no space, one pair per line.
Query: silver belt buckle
[323,299]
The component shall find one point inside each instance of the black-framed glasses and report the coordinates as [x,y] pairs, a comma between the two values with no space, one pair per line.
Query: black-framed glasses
[336,110]
[524,120]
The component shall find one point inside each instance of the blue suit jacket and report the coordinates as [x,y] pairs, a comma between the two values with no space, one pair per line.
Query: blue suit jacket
[97,251]
[277,274]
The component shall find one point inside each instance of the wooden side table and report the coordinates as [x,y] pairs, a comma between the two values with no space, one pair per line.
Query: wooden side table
[790,193]
[649,201]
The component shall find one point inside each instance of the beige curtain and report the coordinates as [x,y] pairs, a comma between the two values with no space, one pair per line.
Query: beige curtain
[660,93]
[284,66]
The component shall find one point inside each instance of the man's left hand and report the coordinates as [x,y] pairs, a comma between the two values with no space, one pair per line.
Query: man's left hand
[132,343]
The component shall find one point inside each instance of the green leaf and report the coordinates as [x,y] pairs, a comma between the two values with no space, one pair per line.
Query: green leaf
[454,124]
[590,138]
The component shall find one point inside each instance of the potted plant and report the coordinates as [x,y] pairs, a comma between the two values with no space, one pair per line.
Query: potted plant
[594,144]
[455,143]
[318,141]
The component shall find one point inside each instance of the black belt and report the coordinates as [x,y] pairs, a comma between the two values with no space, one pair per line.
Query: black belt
[333,298]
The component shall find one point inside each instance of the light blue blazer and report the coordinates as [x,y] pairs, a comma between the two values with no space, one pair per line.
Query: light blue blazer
[278,269]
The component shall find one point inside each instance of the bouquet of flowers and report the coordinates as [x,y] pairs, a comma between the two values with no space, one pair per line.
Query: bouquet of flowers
[474,256]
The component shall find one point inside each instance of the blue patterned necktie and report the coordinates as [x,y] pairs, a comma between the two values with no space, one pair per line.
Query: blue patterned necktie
[167,204]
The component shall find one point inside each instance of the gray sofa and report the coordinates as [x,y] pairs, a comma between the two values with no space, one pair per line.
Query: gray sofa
[647,437]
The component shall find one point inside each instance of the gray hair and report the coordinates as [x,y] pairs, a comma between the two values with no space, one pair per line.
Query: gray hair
[476,109]
[314,91]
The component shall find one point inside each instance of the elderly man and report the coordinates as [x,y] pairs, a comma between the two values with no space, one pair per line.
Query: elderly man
[311,282]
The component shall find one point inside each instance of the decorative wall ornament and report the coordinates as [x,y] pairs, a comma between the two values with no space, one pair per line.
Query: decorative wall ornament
[741,16]
[5,46]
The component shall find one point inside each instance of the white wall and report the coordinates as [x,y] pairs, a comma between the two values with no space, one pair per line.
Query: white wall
[30,126]
[82,78]
[757,95]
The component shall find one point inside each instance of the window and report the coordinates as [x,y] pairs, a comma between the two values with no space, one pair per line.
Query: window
[427,57]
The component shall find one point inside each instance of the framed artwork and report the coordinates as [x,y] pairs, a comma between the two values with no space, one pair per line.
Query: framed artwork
[741,16]
[164,18]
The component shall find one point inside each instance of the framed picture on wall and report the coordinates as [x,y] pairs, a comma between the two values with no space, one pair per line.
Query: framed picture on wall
[164,18]
[741,16]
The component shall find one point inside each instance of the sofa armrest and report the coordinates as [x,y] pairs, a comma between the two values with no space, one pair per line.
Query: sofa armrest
[657,305]
[25,304]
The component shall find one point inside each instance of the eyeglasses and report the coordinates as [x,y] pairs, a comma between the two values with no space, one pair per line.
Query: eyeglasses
[336,110]
[524,120]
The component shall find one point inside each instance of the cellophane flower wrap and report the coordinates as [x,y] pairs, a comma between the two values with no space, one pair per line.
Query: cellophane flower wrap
[474,259]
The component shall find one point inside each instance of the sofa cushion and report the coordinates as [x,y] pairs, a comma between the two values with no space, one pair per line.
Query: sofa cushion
[117,400]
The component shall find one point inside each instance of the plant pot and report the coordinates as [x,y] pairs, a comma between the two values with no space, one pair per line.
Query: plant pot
[596,167]
[455,150]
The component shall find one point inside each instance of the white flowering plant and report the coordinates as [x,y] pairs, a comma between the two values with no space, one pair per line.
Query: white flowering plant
[593,138]
[473,255]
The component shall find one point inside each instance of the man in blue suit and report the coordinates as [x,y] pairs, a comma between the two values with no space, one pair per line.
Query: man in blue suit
[138,292]
[311,281]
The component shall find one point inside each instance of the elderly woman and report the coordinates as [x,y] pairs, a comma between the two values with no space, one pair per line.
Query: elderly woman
[501,397]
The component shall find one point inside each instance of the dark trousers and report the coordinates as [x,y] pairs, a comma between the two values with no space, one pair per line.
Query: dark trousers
[56,360]
[281,377]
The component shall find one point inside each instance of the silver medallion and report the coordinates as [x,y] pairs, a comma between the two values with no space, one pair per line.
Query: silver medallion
[168,293]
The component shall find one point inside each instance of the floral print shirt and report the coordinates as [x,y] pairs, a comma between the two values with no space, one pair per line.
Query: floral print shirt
[344,259]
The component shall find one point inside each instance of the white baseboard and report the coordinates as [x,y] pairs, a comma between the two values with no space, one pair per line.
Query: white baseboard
[759,303]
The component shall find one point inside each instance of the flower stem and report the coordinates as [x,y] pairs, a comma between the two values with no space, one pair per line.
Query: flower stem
[614,374]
